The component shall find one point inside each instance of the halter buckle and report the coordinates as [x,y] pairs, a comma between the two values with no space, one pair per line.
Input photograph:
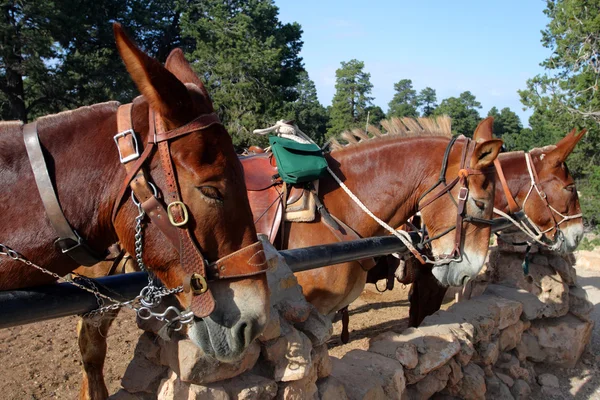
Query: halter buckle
[133,156]
[170,214]
[198,284]
[463,193]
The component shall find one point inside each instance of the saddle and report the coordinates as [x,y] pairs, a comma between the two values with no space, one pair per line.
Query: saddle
[267,194]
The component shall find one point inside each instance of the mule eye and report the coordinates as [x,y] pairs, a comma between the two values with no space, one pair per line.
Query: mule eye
[480,204]
[211,192]
[570,188]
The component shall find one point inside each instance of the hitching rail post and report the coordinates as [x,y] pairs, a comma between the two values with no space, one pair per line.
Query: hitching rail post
[24,306]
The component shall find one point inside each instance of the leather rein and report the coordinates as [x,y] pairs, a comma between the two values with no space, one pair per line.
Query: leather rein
[529,227]
[171,220]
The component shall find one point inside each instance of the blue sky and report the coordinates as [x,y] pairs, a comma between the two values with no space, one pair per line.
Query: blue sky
[488,47]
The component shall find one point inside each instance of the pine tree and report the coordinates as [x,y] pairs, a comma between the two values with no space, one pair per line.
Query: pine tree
[351,99]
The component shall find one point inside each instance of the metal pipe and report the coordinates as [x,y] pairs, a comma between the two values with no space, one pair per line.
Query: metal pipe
[23,306]
[18,307]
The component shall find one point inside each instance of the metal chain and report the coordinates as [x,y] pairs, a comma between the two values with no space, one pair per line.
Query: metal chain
[149,297]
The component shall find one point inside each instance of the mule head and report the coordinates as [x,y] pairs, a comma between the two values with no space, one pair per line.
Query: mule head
[441,215]
[211,183]
[557,184]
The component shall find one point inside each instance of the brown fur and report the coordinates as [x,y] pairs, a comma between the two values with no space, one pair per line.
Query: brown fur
[84,164]
[426,294]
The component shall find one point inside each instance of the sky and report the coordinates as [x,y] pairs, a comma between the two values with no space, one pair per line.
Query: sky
[487,47]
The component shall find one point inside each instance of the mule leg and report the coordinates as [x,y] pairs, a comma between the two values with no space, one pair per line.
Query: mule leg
[426,297]
[92,345]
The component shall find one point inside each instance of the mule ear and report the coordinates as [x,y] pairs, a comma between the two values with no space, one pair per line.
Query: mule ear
[564,148]
[485,153]
[181,68]
[484,130]
[163,91]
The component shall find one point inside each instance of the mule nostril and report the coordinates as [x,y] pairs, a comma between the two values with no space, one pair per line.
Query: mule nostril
[241,333]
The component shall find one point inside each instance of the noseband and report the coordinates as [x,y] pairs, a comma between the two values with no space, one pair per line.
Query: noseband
[463,194]
[527,225]
[172,220]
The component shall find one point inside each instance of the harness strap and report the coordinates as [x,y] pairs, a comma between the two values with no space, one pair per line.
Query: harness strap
[69,241]
[192,261]
[512,204]
[173,219]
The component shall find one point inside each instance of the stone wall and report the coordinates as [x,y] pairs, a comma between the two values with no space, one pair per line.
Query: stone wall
[481,348]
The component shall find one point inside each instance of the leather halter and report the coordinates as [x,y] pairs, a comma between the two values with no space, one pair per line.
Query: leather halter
[462,180]
[69,241]
[172,220]
[535,184]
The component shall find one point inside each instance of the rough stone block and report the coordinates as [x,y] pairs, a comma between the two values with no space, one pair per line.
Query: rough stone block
[317,327]
[331,389]
[143,375]
[563,339]
[322,361]
[521,390]
[389,371]
[199,368]
[273,328]
[174,389]
[542,281]
[301,389]
[510,336]
[473,383]
[436,345]
[368,387]
[533,308]
[508,381]
[563,265]
[290,355]
[548,380]
[488,352]
[579,304]
[431,384]
[407,354]
[250,387]
[529,348]
[496,389]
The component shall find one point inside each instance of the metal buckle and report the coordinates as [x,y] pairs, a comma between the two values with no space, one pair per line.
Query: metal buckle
[463,193]
[185,213]
[198,284]
[132,156]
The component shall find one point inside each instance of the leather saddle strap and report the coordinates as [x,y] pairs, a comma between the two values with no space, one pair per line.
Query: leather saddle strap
[68,240]
[512,204]
[192,261]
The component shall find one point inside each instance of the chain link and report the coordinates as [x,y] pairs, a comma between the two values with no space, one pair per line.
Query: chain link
[149,297]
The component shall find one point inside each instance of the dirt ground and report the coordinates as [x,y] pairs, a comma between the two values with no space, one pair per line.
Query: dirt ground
[41,361]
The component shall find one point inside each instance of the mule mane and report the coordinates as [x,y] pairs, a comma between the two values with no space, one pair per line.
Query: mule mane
[64,116]
[393,128]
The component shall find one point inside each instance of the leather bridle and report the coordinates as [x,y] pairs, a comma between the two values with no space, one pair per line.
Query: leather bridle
[525,223]
[171,220]
[462,180]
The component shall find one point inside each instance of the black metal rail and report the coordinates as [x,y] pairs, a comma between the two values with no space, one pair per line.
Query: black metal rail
[18,307]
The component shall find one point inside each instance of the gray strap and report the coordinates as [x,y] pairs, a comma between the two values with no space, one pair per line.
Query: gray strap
[68,240]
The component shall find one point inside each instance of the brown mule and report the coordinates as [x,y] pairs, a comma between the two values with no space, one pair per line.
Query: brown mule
[204,179]
[552,177]
[390,174]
